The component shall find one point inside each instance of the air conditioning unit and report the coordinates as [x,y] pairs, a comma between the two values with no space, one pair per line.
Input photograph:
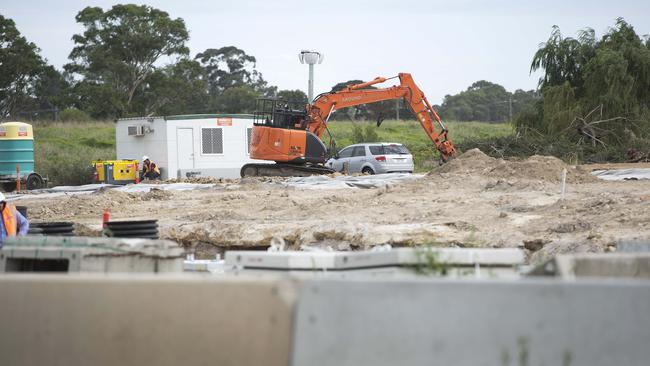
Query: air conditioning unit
[136,131]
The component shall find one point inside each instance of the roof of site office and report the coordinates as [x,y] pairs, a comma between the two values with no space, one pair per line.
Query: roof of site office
[190,116]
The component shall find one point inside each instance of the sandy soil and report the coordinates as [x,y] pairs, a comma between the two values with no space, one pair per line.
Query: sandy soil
[473,201]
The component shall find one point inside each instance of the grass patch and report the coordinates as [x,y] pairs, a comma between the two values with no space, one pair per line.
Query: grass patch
[63,151]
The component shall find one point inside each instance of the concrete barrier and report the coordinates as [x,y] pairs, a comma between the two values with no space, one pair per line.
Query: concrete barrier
[84,319]
[80,254]
[531,322]
[400,262]
[633,246]
[569,266]
[144,320]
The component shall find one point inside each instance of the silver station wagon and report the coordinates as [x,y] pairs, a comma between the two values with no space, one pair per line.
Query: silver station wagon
[373,158]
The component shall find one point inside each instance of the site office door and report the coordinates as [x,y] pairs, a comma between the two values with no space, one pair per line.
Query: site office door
[185,148]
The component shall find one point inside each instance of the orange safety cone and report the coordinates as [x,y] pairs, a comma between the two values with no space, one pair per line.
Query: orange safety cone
[137,173]
[105,218]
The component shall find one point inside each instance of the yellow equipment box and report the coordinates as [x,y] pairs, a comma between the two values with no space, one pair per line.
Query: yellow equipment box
[116,171]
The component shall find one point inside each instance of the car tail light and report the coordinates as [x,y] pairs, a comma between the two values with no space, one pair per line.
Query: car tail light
[380,158]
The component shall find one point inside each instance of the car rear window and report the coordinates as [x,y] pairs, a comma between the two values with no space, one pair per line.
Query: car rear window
[395,150]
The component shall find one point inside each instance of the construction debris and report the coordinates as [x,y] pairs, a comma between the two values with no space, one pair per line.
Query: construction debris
[473,201]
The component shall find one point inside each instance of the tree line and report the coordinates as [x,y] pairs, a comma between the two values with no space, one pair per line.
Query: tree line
[482,101]
[487,102]
[130,60]
[594,91]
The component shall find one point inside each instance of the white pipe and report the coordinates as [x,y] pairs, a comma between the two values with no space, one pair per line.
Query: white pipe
[311,83]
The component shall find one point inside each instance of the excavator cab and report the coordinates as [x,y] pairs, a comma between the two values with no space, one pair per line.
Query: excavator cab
[281,134]
[280,113]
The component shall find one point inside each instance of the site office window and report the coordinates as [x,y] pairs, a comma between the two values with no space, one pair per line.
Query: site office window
[211,141]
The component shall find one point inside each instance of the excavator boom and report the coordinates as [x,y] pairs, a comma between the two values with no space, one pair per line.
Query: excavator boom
[295,144]
[353,95]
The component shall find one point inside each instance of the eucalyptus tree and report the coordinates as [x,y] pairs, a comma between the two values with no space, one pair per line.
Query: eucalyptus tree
[118,50]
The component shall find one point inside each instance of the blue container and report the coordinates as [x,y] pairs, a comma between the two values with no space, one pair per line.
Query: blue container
[16,149]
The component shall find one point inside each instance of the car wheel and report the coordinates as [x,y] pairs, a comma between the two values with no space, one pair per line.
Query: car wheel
[367,170]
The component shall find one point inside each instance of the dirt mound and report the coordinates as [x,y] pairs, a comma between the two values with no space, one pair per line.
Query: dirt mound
[544,168]
[471,161]
[157,194]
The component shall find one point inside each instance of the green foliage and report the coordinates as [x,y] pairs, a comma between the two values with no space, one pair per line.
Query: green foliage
[230,67]
[98,100]
[367,133]
[293,96]
[357,134]
[64,151]
[563,59]
[20,67]
[486,101]
[344,84]
[596,92]
[238,99]
[428,262]
[371,133]
[73,115]
[559,108]
[175,89]
[525,145]
[117,51]
[51,89]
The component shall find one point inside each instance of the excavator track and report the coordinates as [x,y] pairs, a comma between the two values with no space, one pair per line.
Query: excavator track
[283,170]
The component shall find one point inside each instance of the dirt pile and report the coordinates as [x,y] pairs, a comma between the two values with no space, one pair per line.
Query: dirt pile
[156,195]
[544,168]
[478,201]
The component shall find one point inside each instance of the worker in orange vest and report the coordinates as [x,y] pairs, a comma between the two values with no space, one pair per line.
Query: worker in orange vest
[149,169]
[13,222]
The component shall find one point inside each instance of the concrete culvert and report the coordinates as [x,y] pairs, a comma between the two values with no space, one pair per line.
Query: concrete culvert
[62,228]
[133,229]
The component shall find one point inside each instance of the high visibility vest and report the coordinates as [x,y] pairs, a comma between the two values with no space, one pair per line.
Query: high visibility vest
[151,167]
[9,219]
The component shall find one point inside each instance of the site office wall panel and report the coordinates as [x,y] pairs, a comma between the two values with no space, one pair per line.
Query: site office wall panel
[189,145]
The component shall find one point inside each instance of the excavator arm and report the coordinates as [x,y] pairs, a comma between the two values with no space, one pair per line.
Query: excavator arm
[324,105]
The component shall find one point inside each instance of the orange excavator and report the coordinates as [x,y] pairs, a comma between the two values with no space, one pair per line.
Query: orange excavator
[291,136]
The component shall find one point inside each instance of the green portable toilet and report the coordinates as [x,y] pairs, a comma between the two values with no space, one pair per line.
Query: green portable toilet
[17,149]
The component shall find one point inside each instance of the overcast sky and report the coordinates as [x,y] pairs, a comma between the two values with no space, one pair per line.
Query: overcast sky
[446,45]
